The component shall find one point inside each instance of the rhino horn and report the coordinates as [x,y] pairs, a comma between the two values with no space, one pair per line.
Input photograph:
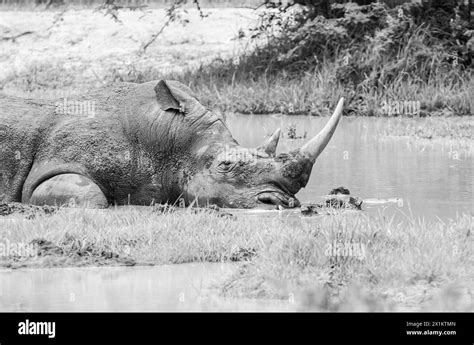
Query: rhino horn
[313,148]
[269,147]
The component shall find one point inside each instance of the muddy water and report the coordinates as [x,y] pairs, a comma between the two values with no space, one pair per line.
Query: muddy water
[187,287]
[392,176]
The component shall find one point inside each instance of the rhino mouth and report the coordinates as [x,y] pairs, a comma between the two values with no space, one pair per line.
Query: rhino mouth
[277,198]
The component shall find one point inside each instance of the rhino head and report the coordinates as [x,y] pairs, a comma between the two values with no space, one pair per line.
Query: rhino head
[230,175]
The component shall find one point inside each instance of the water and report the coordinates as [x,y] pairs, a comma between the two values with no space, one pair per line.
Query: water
[392,176]
[186,287]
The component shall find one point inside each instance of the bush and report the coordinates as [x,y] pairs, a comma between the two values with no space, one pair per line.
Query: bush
[370,51]
[366,42]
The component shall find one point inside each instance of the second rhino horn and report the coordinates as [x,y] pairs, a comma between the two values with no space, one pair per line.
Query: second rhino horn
[269,147]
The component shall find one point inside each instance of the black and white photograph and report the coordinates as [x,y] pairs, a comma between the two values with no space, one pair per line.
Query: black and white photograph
[220,157]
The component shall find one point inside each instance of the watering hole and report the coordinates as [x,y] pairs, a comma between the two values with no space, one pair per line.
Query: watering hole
[393,176]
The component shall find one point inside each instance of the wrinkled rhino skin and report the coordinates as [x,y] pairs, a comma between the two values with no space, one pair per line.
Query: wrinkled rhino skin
[143,144]
[110,148]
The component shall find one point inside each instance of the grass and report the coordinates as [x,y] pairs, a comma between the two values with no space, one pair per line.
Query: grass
[398,258]
[314,93]
[386,265]
[142,234]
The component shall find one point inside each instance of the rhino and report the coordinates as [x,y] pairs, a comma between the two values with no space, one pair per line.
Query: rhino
[143,144]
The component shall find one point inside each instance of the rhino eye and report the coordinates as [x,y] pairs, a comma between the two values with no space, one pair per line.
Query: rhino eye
[226,165]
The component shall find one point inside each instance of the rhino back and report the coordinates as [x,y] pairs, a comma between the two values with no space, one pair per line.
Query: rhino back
[106,144]
[84,136]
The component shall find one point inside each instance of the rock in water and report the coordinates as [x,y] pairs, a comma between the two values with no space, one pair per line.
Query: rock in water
[341,199]
[340,190]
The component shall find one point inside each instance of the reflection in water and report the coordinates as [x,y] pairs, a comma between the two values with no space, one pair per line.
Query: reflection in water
[187,287]
[425,181]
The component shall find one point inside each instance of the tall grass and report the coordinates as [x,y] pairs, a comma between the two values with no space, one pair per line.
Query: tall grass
[314,93]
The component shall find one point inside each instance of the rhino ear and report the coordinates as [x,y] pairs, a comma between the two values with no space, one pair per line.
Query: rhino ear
[165,98]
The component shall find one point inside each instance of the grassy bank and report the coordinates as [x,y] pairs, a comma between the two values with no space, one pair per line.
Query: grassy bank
[314,93]
[341,262]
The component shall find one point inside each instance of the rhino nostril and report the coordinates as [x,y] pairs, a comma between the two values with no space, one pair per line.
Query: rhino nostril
[266,201]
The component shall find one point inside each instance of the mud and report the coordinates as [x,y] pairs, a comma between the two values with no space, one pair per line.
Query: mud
[210,209]
[29,211]
[69,253]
